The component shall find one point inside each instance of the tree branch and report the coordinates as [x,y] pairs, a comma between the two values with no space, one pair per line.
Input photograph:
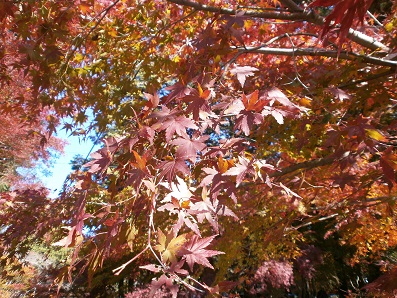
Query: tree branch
[366,41]
[319,53]
[248,13]
[291,5]
[307,165]
[296,14]
[369,78]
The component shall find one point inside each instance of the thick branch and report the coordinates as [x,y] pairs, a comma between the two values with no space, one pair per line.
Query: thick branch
[306,165]
[296,14]
[366,41]
[249,13]
[291,5]
[319,53]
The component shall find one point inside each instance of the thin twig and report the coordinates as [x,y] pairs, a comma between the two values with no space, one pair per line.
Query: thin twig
[118,270]
[295,66]
[383,27]
[318,52]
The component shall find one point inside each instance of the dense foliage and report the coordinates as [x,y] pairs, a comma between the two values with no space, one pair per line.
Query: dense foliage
[250,149]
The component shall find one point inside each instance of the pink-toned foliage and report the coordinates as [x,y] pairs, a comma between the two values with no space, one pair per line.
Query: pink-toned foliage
[233,135]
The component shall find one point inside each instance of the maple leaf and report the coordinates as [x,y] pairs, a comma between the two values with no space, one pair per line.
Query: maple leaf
[243,72]
[163,114]
[182,209]
[240,170]
[344,179]
[247,109]
[218,181]
[179,190]
[151,267]
[252,102]
[194,251]
[209,210]
[101,160]
[171,166]
[169,246]
[198,104]
[176,267]
[277,114]
[339,93]
[147,133]
[153,100]
[103,157]
[136,176]
[177,125]
[188,220]
[235,107]
[344,13]
[179,203]
[178,91]
[275,94]
[247,120]
[164,280]
[188,147]
[388,164]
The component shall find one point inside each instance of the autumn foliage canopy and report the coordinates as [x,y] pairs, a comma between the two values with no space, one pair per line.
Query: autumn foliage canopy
[250,146]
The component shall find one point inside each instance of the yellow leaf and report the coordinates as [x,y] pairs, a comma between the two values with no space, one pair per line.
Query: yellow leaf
[112,32]
[84,7]
[185,204]
[376,135]
[389,26]
[140,161]
[176,59]
[200,89]
[301,208]
[169,246]
[305,102]
[223,165]
[248,24]
[130,236]
[78,58]
[161,239]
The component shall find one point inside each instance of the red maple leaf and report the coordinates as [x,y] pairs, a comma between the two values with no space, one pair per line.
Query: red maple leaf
[164,280]
[218,181]
[103,157]
[198,102]
[170,167]
[177,125]
[153,100]
[194,251]
[140,171]
[240,170]
[247,110]
[188,147]
[275,94]
[345,13]
[178,90]
[182,209]
[209,210]
[247,120]
[243,72]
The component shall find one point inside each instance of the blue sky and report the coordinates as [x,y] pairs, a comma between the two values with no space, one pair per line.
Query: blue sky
[61,167]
